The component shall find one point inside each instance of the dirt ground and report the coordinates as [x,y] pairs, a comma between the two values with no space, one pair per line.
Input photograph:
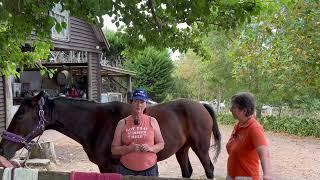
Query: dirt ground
[293,158]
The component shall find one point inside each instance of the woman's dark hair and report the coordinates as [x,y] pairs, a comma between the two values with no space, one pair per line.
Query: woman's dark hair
[244,100]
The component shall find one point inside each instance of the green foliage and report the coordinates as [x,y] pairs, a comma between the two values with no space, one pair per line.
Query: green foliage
[147,23]
[217,70]
[180,88]
[117,43]
[291,125]
[153,66]
[153,72]
[226,119]
[157,21]
[277,55]
[117,46]
[189,75]
[210,78]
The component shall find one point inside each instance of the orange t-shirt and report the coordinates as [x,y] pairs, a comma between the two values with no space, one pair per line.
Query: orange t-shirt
[243,158]
[143,133]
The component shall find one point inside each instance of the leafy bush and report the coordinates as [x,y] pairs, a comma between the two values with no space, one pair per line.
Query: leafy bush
[291,125]
[226,119]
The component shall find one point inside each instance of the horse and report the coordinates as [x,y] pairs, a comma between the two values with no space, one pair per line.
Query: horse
[184,124]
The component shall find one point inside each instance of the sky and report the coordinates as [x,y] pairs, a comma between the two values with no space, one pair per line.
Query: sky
[108,24]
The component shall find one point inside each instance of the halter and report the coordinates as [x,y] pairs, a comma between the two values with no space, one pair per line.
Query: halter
[27,140]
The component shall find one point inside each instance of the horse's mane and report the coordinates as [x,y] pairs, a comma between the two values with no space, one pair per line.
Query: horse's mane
[86,102]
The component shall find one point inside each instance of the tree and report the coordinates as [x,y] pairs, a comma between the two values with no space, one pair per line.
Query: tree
[279,53]
[217,70]
[275,56]
[117,47]
[208,79]
[187,77]
[153,72]
[150,22]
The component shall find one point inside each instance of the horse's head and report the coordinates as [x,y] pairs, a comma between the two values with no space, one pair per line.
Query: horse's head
[26,124]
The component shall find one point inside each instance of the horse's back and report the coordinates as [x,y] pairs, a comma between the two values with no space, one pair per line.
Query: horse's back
[180,121]
[181,110]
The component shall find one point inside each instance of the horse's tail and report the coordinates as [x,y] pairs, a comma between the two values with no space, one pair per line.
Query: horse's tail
[215,131]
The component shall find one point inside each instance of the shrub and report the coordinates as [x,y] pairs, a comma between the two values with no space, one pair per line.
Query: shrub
[291,125]
[226,119]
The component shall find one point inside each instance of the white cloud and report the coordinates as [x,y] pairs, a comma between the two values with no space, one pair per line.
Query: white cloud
[183,26]
[174,55]
[107,24]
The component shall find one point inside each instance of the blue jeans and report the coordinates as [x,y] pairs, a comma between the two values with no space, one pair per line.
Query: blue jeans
[152,171]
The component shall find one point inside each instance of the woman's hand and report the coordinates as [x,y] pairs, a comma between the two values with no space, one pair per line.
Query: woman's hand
[135,147]
[265,159]
[140,148]
[146,148]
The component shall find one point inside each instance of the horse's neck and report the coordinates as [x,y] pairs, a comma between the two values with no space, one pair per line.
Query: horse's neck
[74,119]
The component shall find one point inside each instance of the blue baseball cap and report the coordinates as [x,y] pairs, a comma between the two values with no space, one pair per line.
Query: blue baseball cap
[140,94]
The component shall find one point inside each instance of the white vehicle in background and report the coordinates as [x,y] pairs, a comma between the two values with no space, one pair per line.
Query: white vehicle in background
[266,110]
[214,104]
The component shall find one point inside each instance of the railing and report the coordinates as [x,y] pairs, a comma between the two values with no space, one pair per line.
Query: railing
[55,175]
[67,57]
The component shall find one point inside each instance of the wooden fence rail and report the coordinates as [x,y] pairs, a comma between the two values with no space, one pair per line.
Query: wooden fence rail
[55,175]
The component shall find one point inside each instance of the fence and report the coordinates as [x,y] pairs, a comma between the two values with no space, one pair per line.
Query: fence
[54,175]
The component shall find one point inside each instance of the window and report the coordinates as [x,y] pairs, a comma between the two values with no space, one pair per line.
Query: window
[60,17]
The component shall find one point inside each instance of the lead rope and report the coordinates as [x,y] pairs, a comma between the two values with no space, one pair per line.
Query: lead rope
[41,102]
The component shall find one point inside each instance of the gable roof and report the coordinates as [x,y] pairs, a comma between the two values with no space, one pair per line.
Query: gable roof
[100,36]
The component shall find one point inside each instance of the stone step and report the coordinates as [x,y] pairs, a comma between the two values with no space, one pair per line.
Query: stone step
[36,162]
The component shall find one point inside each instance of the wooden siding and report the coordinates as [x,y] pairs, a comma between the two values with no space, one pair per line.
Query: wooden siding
[94,77]
[2,106]
[82,37]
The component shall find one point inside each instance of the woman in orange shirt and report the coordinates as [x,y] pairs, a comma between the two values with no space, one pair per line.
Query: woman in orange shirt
[247,144]
[137,139]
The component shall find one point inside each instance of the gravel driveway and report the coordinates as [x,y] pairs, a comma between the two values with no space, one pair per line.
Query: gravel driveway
[293,158]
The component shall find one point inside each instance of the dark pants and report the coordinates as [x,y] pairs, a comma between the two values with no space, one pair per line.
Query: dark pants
[152,171]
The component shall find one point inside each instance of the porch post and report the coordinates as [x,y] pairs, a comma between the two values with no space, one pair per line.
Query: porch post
[8,99]
[129,87]
[89,76]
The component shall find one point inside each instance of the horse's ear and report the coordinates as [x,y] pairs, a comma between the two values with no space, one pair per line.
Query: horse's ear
[37,97]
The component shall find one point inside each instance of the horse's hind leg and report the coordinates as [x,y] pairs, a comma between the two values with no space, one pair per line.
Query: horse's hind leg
[183,159]
[202,151]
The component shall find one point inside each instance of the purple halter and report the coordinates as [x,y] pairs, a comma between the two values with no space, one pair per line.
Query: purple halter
[27,140]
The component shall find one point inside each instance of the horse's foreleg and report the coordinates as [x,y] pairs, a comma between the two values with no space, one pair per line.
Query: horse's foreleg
[183,159]
[107,169]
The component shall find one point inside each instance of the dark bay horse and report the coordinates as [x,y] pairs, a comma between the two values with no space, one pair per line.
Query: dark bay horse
[183,124]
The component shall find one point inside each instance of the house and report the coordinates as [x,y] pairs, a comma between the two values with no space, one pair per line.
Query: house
[76,56]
